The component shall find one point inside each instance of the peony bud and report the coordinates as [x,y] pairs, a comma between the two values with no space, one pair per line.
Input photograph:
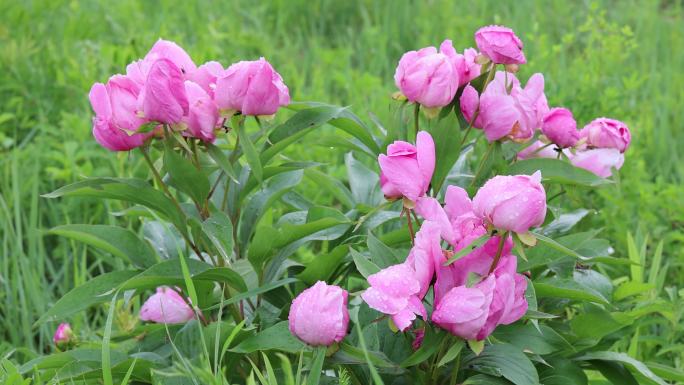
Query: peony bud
[63,335]
[560,127]
[607,133]
[166,306]
[512,203]
[500,44]
[319,315]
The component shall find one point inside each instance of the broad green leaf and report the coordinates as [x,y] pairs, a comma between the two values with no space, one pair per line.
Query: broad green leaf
[349,354]
[171,273]
[595,322]
[277,337]
[75,362]
[251,153]
[96,290]
[447,136]
[432,341]
[322,267]
[568,289]
[452,353]
[121,242]
[130,190]
[466,250]
[562,372]
[363,182]
[484,379]
[185,176]
[354,317]
[548,251]
[508,360]
[333,185]
[219,229]
[221,160]
[363,265]
[637,367]
[253,292]
[300,124]
[594,280]
[380,254]
[556,171]
[614,372]
[530,339]
[272,190]
[666,372]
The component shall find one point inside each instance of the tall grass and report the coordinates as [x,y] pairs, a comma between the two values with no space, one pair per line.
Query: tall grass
[615,58]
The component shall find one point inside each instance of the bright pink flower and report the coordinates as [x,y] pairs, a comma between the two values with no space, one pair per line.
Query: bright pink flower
[115,114]
[560,127]
[406,170]
[474,312]
[166,306]
[164,49]
[202,113]
[63,334]
[607,133]
[505,109]
[251,87]
[512,202]
[164,99]
[500,44]
[206,75]
[428,77]
[466,66]
[399,289]
[319,315]
[600,161]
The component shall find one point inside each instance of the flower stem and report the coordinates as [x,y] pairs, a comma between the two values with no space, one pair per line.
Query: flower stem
[482,162]
[499,251]
[416,119]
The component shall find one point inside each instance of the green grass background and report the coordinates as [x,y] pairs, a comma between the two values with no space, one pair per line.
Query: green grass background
[622,59]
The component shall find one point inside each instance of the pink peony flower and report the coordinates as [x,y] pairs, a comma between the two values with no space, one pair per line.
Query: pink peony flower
[202,113]
[63,334]
[251,87]
[319,315]
[406,170]
[512,203]
[164,49]
[505,109]
[116,114]
[533,151]
[560,127]
[164,99]
[166,306]
[607,133]
[206,75]
[399,289]
[500,44]
[600,161]
[429,77]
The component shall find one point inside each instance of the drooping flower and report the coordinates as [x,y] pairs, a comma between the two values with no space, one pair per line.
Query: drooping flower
[500,45]
[251,87]
[607,133]
[512,202]
[319,315]
[406,170]
[429,77]
[166,306]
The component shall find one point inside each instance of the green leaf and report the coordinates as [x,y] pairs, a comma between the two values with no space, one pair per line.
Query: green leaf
[170,273]
[506,359]
[380,254]
[666,372]
[447,136]
[277,337]
[118,241]
[96,290]
[363,182]
[363,265]
[322,267]
[219,229]
[221,160]
[432,341]
[636,367]
[251,153]
[557,246]
[562,372]
[527,337]
[300,124]
[484,379]
[568,289]
[316,366]
[253,292]
[135,191]
[184,176]
[556,171]
[595,322]
[584,244]
[594,280]
[452,353]
[354,317]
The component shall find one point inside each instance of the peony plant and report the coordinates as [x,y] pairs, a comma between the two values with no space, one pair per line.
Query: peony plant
[234,274]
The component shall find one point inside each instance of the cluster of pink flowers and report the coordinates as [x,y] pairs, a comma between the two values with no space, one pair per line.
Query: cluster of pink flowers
[167,88]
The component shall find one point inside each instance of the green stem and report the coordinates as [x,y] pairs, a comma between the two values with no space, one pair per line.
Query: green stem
[499,250]
[482,163]
[416,119]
